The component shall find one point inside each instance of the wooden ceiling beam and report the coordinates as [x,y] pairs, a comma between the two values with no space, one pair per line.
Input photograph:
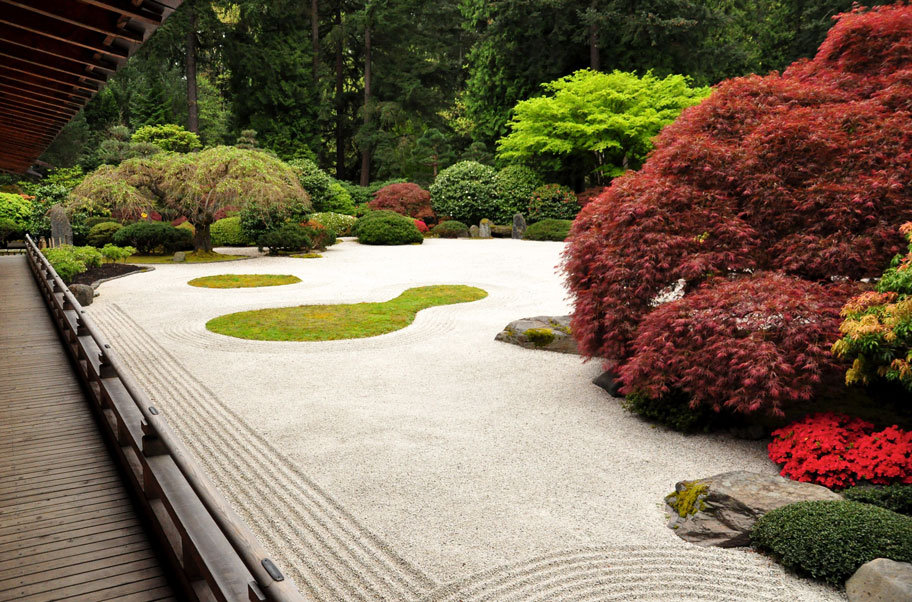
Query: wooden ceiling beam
[49,75]
[20,38]
[17,116]
[26,132]
[81,15]
[147,13]
[26,79]
[28,105]
[19,112]
[39,96]
[51,28]
[46,61]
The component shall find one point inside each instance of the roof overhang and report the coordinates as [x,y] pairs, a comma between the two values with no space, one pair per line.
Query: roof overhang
[54,57]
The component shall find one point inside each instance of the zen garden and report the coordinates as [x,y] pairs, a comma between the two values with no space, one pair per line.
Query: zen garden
[516,300]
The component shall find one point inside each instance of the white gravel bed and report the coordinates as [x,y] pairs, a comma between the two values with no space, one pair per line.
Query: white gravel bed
[433,462]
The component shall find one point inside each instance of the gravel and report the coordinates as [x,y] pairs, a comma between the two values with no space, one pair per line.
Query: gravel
[431,463]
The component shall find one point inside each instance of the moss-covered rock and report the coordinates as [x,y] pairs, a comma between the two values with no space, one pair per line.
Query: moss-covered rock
[549,333]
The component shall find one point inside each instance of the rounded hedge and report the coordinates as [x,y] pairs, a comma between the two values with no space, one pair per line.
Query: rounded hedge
[227,232]
[312,179]
[290,238]
[340,223]
[451,229]
[465,192]
[387,228]
[148,237]
[102,234]
[549,229]
[896,497]
[831,540]
[552,201]
[514,185]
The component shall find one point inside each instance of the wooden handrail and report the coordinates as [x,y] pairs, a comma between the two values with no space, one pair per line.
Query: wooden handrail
[155,455]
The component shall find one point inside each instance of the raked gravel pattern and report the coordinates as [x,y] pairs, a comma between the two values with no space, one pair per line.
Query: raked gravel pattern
[432,463]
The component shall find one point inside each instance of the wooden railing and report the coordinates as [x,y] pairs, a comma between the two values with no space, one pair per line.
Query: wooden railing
[213,554]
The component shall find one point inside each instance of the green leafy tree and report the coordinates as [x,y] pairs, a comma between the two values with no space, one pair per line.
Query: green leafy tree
[595,124]
[168,137]
[196,186]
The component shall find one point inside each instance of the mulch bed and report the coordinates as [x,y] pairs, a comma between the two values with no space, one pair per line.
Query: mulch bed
[105,270]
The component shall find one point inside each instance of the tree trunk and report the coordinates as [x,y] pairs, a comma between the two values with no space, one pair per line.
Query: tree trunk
[340,81]
[202,241]
[192,106]
[315,37]
[595,61]
[365,146]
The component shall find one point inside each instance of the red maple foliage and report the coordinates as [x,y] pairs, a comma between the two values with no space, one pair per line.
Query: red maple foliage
[589,195]
[808,173]
[837,451]
[407,198]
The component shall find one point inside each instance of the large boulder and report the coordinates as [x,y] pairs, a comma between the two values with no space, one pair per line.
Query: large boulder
[720,510]
[549,333]
[881,580]
[83,293]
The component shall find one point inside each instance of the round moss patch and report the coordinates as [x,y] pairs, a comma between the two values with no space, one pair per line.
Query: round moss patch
[243,280]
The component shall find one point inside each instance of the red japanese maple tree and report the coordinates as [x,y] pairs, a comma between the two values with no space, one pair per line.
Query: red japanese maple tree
[407,198]
[807,173]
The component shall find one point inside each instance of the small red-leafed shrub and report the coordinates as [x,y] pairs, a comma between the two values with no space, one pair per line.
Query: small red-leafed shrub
[754,344]
[807,174]
[590,194]
[407,199]
[422,227]
[838,451]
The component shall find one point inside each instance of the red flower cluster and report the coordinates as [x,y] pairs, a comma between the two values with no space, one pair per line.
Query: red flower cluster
[838,451]
[422,227]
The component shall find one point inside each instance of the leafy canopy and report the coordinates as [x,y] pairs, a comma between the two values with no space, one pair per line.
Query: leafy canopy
[605,120]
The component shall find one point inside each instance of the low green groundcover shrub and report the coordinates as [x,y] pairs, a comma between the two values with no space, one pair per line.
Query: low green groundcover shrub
[831,540]
[549,229]
[387,228]
[896,497]
[149,237]
[290,238]
[227,232]
[451,229]
[673,411]
[552,201]
[340,223]
[69,261]
[102,234]
[114,253]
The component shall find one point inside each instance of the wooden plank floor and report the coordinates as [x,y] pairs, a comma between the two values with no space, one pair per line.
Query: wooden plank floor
[67,528]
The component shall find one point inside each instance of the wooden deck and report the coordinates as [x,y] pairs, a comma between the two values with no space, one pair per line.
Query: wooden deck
[68,529]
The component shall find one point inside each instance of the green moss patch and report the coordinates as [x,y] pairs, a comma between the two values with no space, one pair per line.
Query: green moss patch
[540,337]
[333,322]
[308,256]
[689,500]
[191,257]
[243,280]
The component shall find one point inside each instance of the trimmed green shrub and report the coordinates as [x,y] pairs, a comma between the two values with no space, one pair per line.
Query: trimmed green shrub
[290,238]
[338,200]
[314,180]
[831,540]
[387,228]
[896,497]
[340,223]
[168,137]
[151,237]
[552,201]
[114,253]
[227,232]
[69,261]
[465,192]
[91,222]
[549,229]
[102,234]
[451,229]
[514,185]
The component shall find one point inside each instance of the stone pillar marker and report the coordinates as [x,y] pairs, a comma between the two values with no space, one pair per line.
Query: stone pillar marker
[473,231]
[61,231]
[484,228]
[519,225]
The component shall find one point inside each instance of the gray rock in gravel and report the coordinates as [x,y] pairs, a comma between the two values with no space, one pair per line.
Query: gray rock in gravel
[881,580]
[720,510]
[484,228]
[473,231]
[61,231]
[83,293]
[549,333]
[608,380]
[180,257]
[519,225]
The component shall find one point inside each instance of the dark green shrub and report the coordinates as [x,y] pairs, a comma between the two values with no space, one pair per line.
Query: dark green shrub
[672,411]
[896,497]
[290,238]
[549,229]
[831,540]
[552,201]
[514,185]
[320,236]
[91,222]
[256,223]
[152,237]
[451,229]
[227,232]
[465,192]
[313,179]
[102,234]
[387,228]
